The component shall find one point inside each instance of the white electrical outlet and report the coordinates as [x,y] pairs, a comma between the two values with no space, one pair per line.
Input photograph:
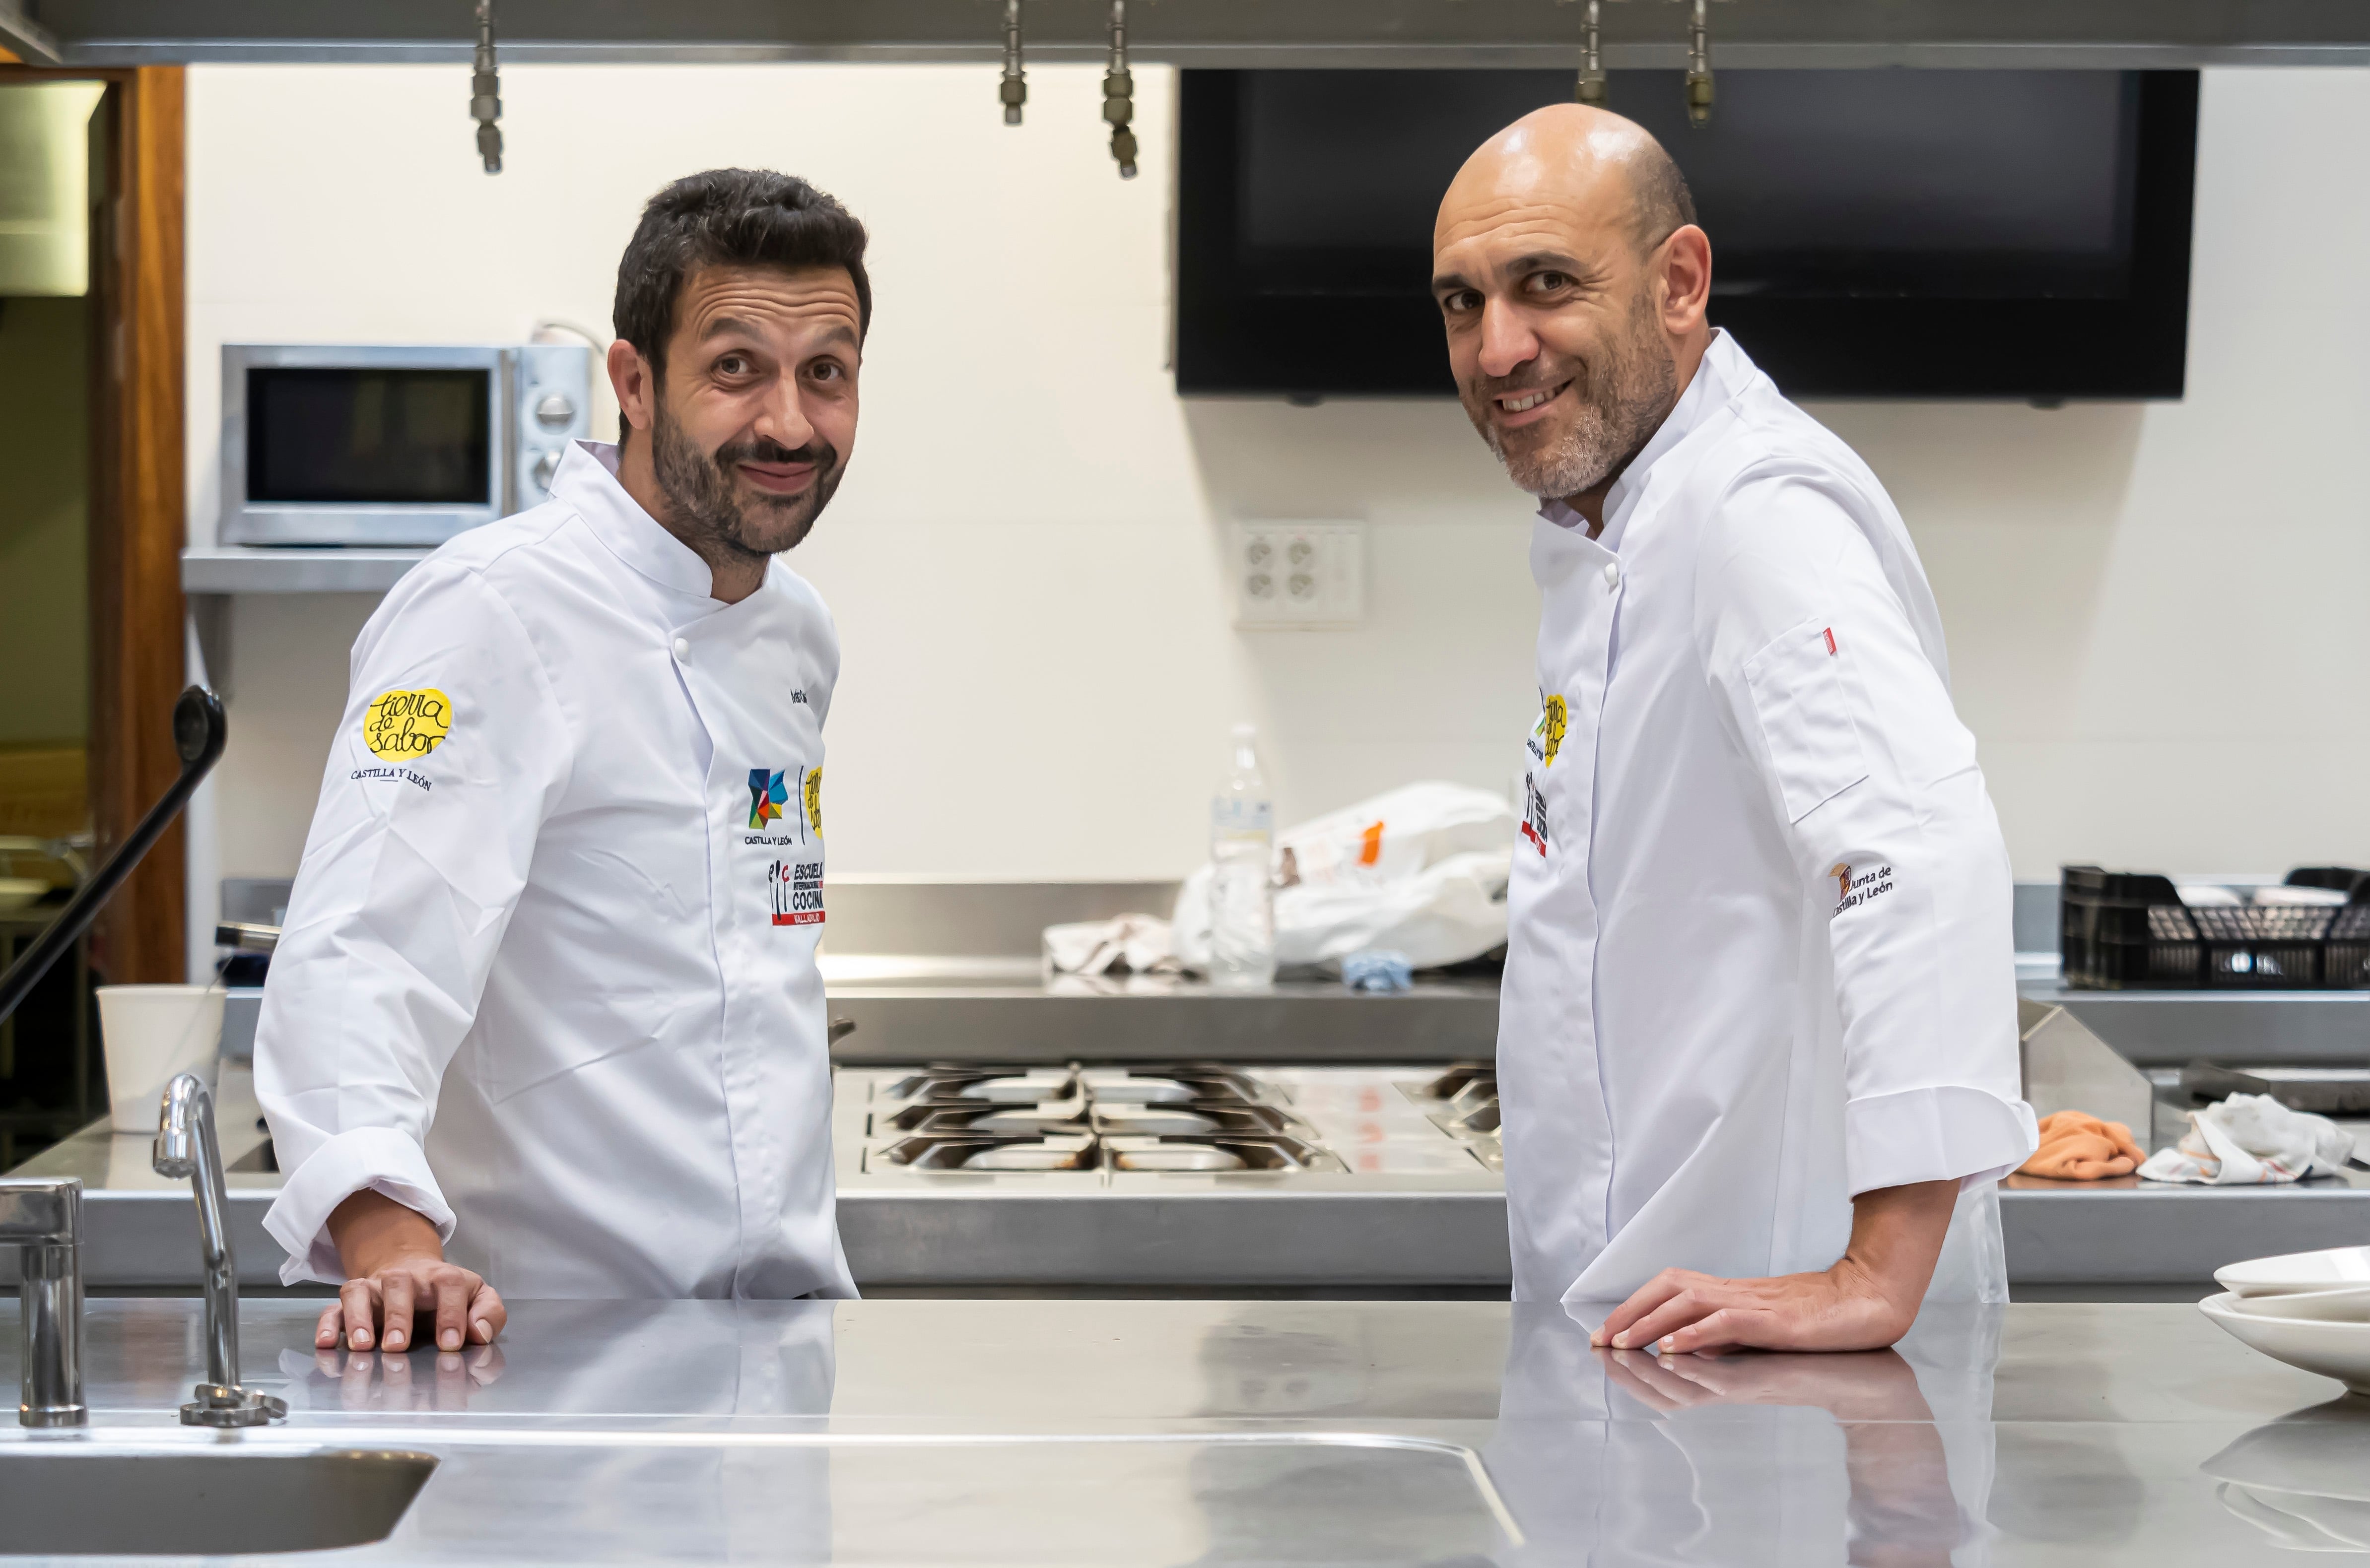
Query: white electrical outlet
[1301,575]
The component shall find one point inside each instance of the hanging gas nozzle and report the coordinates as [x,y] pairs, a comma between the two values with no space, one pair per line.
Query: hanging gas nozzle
[1119,94]
[1699,66]
[1590,87]
[1013,89]
[486,92]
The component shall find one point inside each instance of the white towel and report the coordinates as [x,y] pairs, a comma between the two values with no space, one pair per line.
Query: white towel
[1134,944]
[2251,1138]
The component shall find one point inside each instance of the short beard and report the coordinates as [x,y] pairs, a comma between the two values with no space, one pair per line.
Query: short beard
[1622,398]
[703,495]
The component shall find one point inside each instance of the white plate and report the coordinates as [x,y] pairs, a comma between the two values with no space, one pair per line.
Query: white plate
[2347,1305]
[2332,1350]
[2334,1269]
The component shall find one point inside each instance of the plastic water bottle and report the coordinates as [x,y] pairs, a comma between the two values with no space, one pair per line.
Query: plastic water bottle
[1242,885]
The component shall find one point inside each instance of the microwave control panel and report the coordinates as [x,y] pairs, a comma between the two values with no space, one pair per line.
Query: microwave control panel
[553,405]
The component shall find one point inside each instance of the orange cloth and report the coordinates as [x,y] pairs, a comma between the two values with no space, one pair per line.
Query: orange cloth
[2076,1146]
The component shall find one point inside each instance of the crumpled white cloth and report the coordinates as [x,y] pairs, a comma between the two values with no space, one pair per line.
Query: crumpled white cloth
[2248,1140]
[1141,945]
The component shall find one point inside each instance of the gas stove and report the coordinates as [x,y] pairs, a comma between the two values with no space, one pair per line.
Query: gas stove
[1080,1128]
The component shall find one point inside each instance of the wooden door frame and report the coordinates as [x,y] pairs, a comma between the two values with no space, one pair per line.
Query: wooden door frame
[138,513]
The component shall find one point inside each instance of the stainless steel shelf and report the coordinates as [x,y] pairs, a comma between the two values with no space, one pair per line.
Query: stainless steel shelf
[2165,1028]
[231,569]
[1237,33]
[1314,1021]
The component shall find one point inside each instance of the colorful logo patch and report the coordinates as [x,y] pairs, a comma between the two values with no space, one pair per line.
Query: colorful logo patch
[796,888]
[399,725]
[1553,720]
[767,795]
[1854,888]
[1534,815]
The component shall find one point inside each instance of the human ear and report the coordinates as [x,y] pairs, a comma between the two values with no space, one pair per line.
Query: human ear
[1686,268]
[630,377]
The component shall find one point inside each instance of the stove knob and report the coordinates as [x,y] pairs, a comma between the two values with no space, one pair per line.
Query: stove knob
[547,463]
[554,410]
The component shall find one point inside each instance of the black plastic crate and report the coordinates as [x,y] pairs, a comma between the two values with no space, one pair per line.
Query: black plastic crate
[2119,930]
[2345,959]
[2266,947]
[2129,930]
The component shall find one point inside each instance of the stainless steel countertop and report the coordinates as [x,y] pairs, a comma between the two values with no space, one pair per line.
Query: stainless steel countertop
[1206,1432]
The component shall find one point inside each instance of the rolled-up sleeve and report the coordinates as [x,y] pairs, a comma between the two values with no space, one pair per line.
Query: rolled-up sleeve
[448,757]
[1873,780]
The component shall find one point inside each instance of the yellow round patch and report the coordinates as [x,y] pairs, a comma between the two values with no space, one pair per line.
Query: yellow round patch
[1554,720]
[400,725]
[814,799]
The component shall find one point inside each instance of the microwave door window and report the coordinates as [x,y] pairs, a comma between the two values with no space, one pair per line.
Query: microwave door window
[380,437]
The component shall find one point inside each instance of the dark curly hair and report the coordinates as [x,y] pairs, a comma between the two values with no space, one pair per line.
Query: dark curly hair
[729,218]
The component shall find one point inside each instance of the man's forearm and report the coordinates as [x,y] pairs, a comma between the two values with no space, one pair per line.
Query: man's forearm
[1865,1301]
[372,1231]
[1896,1238]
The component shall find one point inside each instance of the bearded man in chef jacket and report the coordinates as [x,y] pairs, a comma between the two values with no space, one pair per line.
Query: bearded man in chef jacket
[546,1010]
[1758,1041]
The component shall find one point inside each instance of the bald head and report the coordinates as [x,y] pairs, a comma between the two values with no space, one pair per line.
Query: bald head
[1573,281]
[1608,168]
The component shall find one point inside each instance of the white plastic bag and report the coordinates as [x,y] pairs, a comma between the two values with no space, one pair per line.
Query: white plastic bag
[1420,869]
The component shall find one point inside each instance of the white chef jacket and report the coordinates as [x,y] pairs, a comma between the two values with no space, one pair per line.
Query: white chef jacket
[1760,956]
[548,973]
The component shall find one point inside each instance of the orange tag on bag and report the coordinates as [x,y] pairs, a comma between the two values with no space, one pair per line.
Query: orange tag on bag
[1370,845]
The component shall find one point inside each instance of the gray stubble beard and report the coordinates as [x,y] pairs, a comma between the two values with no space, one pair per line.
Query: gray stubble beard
[1623,399]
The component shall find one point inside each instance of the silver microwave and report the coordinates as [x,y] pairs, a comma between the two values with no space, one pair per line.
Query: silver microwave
[394,445]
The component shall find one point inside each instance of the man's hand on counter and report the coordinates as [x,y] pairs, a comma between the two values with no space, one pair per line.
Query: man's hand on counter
[1866,1301]
[396,1274]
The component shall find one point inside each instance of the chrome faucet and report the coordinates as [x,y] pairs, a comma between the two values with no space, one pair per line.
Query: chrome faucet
[42,1219]
[186,1146]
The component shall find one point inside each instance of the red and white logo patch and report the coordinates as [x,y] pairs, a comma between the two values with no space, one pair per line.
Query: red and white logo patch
[795,888]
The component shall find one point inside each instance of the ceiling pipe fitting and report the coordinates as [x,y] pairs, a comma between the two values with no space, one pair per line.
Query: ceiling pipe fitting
[1013,89]
[1591,86]
[486,92]
[1119,94]
[1699,93]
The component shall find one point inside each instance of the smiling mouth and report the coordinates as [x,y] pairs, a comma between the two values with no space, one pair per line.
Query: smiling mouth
[780,479]
[1522,402]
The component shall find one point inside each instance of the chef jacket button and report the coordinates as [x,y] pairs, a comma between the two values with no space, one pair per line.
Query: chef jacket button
[1612,574]
[682,647]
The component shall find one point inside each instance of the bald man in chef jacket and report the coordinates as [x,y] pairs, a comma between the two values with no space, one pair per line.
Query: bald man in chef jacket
[1757,1050]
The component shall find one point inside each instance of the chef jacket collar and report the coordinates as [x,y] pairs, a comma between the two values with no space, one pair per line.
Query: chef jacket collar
[588,481]
[1722,370]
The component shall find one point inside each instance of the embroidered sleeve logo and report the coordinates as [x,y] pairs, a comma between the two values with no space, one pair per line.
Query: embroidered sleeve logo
[401,726]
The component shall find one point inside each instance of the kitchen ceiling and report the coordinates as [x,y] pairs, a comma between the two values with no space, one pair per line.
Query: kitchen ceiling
[1229,33]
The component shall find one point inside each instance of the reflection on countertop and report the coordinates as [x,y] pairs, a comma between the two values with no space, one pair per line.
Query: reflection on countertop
[1276,1432]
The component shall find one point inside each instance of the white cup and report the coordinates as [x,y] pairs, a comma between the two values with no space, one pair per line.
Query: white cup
[149,1035]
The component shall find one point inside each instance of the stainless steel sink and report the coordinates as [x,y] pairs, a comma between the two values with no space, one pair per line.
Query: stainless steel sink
[70,1499]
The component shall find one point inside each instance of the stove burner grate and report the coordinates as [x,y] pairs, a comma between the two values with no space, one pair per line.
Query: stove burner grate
[1188,1118]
